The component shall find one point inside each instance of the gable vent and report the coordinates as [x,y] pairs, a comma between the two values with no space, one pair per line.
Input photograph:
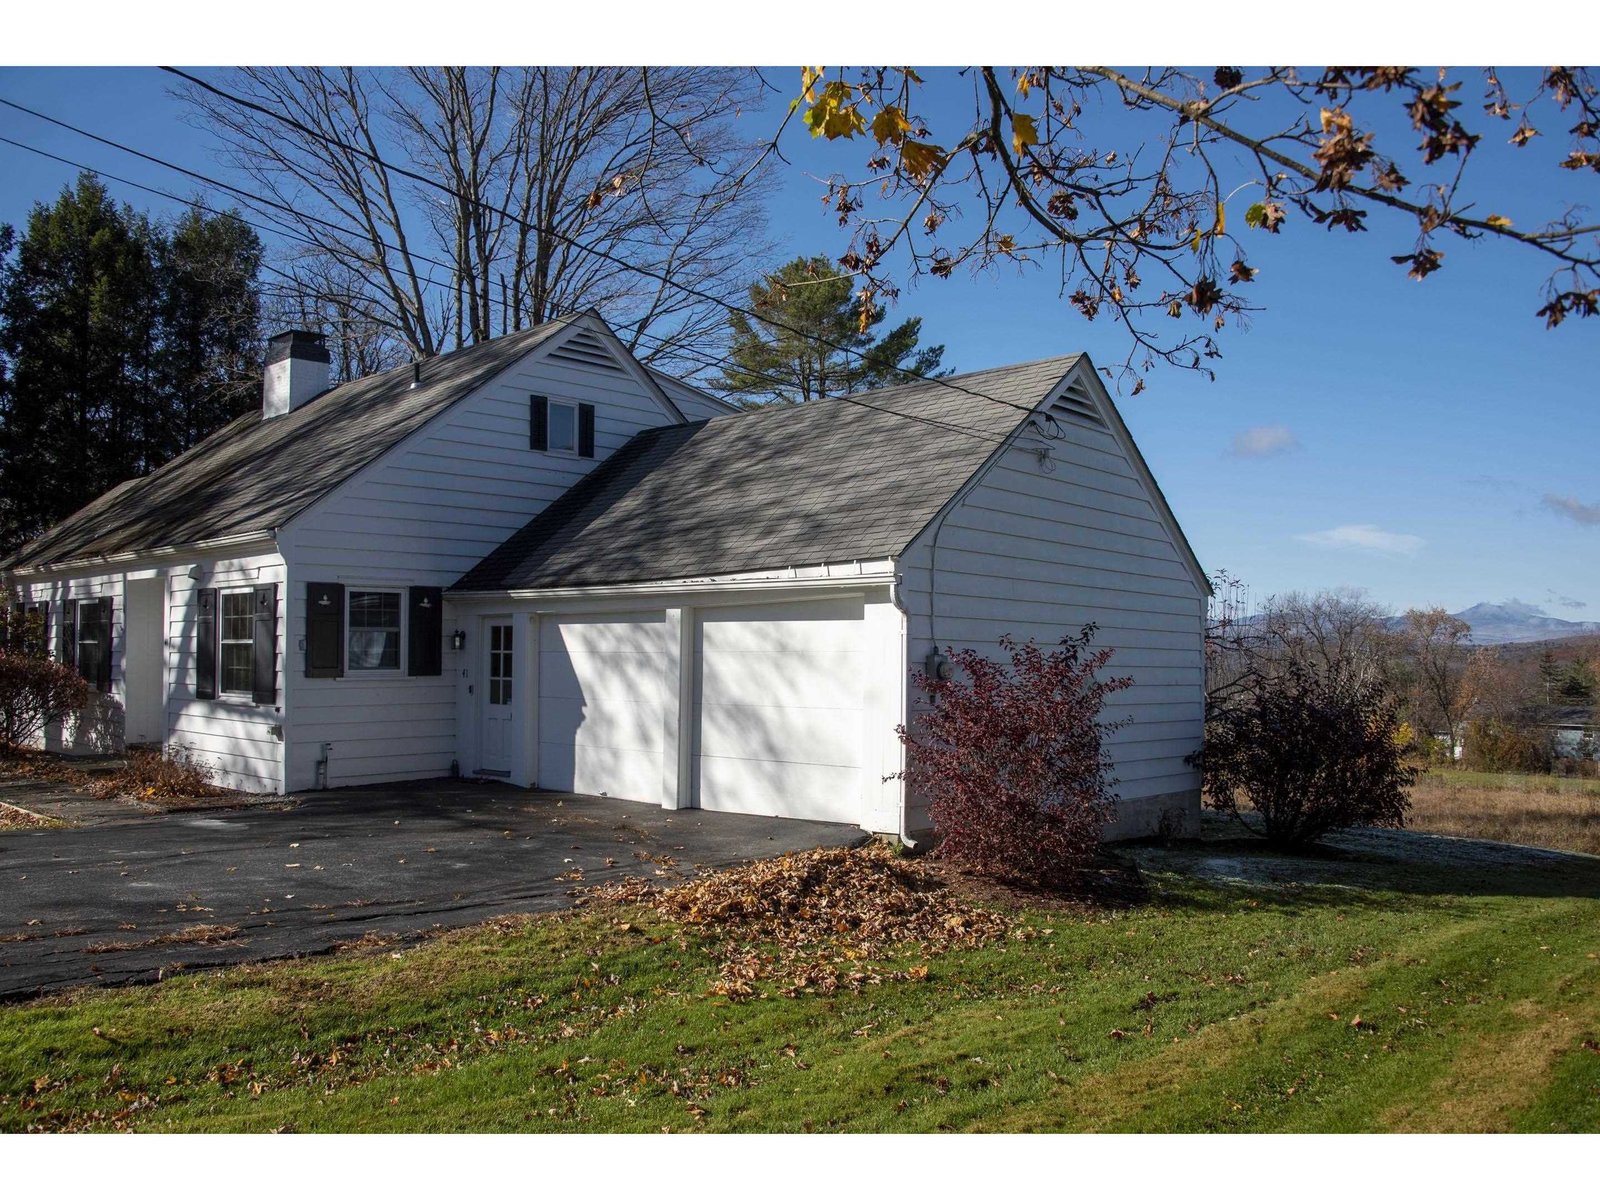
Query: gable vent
[585,350]
[1075,404]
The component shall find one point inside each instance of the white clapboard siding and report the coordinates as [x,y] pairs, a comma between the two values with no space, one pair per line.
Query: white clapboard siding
[695,404]
[1037,554]
[233,736]
[422,515]
[98,729]
[238,738]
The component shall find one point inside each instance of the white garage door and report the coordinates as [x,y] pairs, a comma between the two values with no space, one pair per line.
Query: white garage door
[778,709]
[602,713]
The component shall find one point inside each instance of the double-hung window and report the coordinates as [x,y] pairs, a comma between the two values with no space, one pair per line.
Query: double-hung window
[563,426]
[373,630]
[237,642]
[91,634]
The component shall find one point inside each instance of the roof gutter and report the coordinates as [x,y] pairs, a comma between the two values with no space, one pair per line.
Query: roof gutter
[265,540]
[672,587]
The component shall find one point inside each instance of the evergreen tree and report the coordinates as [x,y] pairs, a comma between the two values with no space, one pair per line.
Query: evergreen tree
[210,327]
[121,345]
[1549,673]
[805,310]
[1576,685]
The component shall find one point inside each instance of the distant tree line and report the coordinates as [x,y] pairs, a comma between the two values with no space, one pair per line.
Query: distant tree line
[124,341]
[1485,705]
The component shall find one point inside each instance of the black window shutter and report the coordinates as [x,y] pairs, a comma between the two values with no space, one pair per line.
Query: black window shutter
[538,422]
[426,656]
[205,644]
[585,431]
[264,672]
[102,674]
[324,630]
[69,634]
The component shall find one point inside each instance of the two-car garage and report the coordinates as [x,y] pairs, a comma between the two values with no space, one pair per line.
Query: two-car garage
[770,719]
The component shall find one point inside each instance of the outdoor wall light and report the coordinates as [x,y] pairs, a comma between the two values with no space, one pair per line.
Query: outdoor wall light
[458,640]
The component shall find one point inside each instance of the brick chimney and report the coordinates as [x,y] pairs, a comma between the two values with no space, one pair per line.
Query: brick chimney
[297,370]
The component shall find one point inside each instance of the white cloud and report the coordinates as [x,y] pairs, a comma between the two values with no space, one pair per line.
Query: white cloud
[1554,597]
[1573,508]
[1262,441]
[1364,537]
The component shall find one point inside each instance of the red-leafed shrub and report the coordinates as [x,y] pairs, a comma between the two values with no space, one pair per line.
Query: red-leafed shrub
[34,693]
[1310,755]
[1013,760]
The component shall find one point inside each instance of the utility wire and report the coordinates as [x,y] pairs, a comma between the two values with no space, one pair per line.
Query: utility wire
[702,358]
[686,289]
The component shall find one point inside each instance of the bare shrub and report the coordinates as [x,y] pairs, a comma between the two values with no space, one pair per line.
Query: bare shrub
[1310,754]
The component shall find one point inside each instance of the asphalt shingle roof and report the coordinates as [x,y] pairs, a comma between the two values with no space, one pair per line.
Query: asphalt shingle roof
[825,482]
[252,476]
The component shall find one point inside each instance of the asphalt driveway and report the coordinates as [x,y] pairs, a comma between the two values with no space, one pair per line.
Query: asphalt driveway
[127,901]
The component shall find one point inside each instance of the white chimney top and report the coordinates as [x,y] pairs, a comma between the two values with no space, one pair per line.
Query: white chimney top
[297,369]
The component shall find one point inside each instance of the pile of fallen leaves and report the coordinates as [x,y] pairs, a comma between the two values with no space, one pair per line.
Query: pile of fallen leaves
[26,763]
[818,921]
[12,817]
[153,776]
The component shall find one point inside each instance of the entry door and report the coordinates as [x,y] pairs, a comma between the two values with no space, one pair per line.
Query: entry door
[500,653]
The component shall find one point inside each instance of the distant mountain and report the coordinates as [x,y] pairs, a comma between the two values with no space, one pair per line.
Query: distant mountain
[1515,621]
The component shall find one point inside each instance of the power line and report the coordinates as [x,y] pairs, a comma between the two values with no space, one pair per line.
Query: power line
[686,289]
[700,357]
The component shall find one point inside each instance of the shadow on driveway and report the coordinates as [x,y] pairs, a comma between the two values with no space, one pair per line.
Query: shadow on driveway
[120,903]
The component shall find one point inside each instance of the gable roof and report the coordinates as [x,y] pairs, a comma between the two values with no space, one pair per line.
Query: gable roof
[253,475]
[837,480]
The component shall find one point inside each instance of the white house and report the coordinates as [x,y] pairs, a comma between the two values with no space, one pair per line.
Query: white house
[538,560]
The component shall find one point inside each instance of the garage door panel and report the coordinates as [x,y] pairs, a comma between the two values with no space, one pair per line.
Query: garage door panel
[592,771]
[617,633]
[809,790]
[617,725]
[774,679]
[778,709]
[808,625]
[809,735]
[591,677]
[602,705]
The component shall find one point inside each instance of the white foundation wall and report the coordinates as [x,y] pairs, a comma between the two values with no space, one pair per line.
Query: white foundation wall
[1039,555]
[236,738]
[422,515]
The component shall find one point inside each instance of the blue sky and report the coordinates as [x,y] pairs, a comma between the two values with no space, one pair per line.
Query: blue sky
[1367,431]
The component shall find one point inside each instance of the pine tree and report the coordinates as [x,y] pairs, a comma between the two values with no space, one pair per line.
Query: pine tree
[791,353]
[121,345]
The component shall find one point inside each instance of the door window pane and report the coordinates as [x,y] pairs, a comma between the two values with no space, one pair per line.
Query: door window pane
[374,638]
[500,664]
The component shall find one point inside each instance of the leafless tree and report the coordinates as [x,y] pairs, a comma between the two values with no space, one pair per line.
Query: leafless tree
[1335,634]
[1436,645]
[556,181]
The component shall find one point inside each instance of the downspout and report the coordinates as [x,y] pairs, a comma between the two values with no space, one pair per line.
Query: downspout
[906,839]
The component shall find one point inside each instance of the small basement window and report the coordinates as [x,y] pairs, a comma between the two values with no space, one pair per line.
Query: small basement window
[373,640]
[563,430]
[236,635]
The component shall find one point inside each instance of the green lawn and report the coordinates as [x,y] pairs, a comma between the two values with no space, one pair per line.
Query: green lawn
[1400,984]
